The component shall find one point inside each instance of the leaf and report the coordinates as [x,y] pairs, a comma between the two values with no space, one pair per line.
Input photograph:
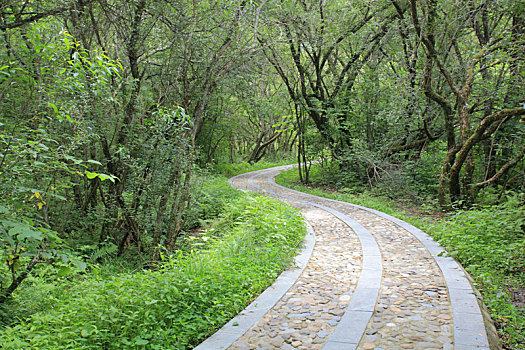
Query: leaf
[52,105]
[64,271]
[36,195]
[80,264]
[57,196]
[64,258]
[94,162]
[106,177]
[73,159]
[51,235]
[140,341]
[90,175]
[24,231]
[88,330]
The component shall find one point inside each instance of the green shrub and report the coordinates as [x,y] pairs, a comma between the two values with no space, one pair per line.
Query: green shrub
[182,303]
[210,196]
[490,243]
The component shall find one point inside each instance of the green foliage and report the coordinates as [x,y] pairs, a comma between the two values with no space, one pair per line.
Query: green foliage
[31,297]
[46,85]
[490,243]
[179,305]
[489,238]
[211,195]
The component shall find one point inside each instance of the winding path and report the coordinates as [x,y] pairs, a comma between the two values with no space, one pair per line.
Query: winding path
[364,280]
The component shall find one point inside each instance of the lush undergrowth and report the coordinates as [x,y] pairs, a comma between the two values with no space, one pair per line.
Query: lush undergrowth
[488,241]
[211,195]
[178,305]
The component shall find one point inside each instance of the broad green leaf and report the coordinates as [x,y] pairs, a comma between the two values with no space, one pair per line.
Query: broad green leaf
[80,264]
[22,232]
[106,177]
[90,175]
[140,341]
[64,271]
[57,196]
[52,105]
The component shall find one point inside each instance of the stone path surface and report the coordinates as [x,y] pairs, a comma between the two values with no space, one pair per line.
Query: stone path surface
[367,281]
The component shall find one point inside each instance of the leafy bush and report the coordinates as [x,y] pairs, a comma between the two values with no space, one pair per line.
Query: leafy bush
[411,180]
[490,243]
[210,196]
[182,303]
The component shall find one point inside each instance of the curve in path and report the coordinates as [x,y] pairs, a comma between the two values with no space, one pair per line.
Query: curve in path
[366,280]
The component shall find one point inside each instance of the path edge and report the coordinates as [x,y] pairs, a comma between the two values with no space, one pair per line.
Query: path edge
[352,326]
[473,326]
[240,324]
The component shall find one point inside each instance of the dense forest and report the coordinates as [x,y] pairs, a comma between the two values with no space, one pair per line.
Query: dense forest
[118,117]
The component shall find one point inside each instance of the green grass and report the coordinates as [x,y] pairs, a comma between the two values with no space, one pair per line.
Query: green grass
[187,299]
[488,241]
[211,196]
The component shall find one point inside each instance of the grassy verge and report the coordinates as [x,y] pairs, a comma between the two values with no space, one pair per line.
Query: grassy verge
[488,241]
[187,299]
[211,195]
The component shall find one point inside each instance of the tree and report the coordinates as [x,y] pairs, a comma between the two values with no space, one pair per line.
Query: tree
[479,113]
[319,58]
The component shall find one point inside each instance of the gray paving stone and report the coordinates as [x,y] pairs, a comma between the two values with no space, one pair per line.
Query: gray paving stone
[351,327]
[363,299]
[464,301]
[373,262]
[470,347]
[333,345]
[370,281]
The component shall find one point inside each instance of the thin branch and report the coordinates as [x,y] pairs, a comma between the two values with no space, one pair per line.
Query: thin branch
[503,170]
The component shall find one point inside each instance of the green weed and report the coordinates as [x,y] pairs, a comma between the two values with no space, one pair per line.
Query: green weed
[193,294]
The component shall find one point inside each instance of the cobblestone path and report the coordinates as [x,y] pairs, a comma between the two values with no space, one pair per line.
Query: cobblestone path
[370,281]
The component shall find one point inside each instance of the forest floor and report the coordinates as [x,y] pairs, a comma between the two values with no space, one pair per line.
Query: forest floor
[372,281]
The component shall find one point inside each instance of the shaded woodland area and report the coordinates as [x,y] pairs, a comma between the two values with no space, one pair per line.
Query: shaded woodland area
[114,113]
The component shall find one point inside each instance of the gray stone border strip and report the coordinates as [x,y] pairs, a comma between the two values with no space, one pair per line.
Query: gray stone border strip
[241,323]
[469,327]
[353,323]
